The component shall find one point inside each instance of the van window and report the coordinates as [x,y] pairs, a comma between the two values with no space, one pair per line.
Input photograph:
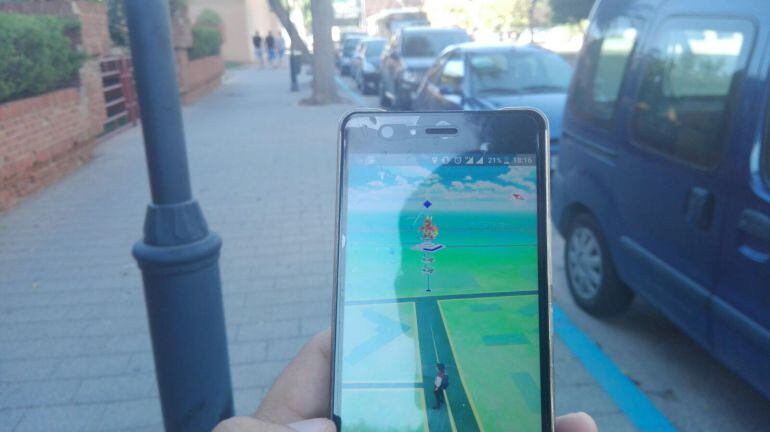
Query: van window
[453,73]
[691,71]
[601,69]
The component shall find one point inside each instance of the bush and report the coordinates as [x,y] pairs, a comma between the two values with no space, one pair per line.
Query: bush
[36,55]
[208,18]
[116,15]
[206,42]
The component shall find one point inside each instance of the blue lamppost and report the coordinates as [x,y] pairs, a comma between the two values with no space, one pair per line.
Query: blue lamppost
[178,255]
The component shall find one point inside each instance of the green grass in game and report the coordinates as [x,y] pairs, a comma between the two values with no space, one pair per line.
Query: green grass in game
[496,347]
[458,270]
[494,340]
[479,257]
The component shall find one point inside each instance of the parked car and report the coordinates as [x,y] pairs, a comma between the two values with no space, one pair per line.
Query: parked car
[365,67]
[411,51]
[346,52]
[474,76]
[663,184]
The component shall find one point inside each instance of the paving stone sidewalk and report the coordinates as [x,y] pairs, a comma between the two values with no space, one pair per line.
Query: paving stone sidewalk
[75,352]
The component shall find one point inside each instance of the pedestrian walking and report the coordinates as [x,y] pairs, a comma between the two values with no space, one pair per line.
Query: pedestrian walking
[440,384]
[270,43]
[257,41]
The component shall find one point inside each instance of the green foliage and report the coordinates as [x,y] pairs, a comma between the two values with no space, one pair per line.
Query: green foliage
[116,15]
[209,18]
[37,54]
[177,6]
[206,42]
[568,11]
[495,15]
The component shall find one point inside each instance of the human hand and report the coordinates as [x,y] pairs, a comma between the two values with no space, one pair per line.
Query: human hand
[299,398]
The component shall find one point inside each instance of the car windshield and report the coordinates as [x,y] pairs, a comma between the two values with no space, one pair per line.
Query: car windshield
[430,44]
[374,48]
[519,72]
[350,45]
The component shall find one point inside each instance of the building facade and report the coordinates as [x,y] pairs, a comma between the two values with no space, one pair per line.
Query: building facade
[241,19]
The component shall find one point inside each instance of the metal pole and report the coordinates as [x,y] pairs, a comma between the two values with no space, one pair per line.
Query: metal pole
[178,255]
[294,66]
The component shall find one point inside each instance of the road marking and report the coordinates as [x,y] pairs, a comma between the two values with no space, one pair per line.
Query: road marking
[632,401]
[358,100]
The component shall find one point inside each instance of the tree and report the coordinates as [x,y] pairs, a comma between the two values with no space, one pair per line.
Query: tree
[324,85]
[491,15]
[281,10]
[570,11]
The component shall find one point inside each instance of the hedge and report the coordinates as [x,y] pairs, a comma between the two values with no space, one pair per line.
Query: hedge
[36,55]
[206,42]
[209,18]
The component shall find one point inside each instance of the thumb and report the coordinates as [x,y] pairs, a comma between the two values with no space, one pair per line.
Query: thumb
[314,425]
[575,422]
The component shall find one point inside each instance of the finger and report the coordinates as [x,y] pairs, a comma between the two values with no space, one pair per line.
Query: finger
[575,422]
[302,391]
[314,425]
[249,424]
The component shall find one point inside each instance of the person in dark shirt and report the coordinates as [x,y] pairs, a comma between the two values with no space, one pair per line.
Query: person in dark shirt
[257,41]
[270,42]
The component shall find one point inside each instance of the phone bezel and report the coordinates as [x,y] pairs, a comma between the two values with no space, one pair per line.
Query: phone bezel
[543,235]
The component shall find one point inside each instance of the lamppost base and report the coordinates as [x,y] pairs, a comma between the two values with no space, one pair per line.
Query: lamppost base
[186,315]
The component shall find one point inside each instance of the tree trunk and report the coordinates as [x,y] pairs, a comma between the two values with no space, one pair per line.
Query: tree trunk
[297,43]
[324,86]
[531,19]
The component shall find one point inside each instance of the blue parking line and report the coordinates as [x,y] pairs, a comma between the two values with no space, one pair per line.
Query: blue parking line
[634,404]
[358,100]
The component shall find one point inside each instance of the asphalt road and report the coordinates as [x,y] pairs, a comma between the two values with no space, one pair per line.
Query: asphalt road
[684,382]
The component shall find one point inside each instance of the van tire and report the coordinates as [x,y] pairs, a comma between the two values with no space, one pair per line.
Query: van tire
[600,293]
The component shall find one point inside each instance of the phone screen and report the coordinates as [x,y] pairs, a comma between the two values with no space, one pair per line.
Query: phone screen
[439,309]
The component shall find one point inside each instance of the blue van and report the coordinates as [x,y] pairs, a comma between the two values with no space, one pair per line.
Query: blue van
[663,183]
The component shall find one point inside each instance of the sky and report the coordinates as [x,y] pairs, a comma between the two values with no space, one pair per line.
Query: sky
[377,188]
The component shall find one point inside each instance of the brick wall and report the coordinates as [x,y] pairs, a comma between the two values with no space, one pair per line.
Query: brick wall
[196,78]
[200,77]
[42,138]
[45,137]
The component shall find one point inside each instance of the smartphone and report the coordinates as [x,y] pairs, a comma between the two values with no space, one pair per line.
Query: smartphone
[442,273]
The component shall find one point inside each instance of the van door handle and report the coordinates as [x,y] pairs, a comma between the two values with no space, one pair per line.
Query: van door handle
[699,208]
[755,225]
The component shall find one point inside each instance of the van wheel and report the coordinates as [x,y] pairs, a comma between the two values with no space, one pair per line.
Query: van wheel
[591,276]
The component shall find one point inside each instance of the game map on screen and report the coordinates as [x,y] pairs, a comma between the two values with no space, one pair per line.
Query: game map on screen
[440,312]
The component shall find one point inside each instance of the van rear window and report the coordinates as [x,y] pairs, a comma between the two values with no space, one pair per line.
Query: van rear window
[602,67]
[691,73]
